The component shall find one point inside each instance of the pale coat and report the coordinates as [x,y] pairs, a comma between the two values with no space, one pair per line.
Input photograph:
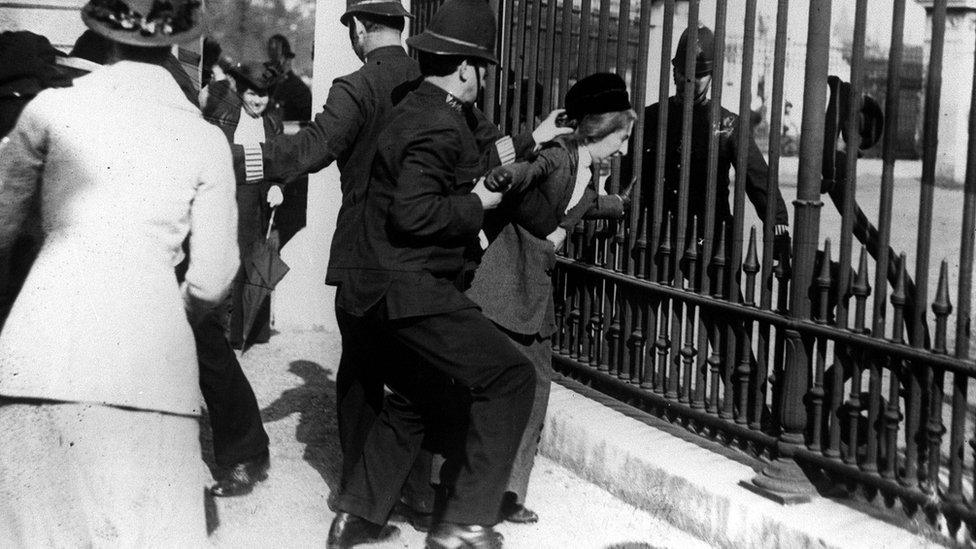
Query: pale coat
[123,166]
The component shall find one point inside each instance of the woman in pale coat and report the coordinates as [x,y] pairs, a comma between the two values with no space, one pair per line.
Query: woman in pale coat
[99,394]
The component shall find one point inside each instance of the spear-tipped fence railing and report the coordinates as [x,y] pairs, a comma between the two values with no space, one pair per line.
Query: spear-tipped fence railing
[817,357]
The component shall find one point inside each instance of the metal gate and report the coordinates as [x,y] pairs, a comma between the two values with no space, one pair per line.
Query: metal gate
[821,363]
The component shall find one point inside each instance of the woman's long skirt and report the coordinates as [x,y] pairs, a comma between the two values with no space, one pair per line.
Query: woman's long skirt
[88,475]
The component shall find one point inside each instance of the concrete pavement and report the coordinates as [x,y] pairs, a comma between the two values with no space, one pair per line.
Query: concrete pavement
[293,378]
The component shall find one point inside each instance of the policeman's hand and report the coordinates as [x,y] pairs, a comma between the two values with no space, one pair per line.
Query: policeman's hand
[499,179]
[557,238]
[781,230]
[548,129]
[489,198]
[275,196]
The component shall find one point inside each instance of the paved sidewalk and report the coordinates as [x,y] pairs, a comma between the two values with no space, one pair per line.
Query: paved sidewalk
[293,378]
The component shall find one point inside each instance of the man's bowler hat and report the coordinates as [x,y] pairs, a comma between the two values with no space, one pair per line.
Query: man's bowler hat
[388,8]
[146,23]
[465,28]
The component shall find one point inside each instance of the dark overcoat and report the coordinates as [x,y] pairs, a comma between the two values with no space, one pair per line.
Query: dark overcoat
[756,171]
[223,109]
[420,215]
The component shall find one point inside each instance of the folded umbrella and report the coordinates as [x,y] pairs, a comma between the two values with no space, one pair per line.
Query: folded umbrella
[263,269]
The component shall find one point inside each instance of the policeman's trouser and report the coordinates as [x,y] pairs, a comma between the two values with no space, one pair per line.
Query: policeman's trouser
[495,388]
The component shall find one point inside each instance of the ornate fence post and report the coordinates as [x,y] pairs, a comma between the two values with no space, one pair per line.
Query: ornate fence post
[782,479]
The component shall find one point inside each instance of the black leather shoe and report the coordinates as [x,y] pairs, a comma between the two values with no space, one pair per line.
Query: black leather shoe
[348,530]
[519,514]
[241,478]
[420,520]
[462,536]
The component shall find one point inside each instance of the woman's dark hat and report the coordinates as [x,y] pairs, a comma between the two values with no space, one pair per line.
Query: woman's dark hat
[146,23]
[596,94]
[254,76]
[704,56]
[388,8]
[465,28]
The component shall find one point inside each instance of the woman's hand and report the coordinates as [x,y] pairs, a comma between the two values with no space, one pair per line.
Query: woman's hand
[557,238]
[275,196]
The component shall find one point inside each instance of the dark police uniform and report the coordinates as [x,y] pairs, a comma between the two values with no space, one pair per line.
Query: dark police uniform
[345,132]
[419,218]
[756,170]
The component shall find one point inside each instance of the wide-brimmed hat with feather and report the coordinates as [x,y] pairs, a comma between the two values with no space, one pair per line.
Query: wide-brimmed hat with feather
[146,23]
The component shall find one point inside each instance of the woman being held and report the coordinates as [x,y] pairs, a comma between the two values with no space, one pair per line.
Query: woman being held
[545,199]
[239,107]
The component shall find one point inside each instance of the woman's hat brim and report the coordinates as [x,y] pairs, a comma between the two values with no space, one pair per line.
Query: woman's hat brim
[387,9]
[431,43]
[136,38]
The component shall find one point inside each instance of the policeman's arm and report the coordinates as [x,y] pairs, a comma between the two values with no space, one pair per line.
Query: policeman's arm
[498,149]
[332,132]
[22,155]
[756,182]
[423,204]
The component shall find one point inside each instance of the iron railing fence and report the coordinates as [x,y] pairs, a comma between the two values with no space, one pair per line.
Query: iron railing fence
[819,357]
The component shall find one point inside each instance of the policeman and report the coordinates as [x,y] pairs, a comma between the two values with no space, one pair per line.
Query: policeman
[756,170]
[425,205]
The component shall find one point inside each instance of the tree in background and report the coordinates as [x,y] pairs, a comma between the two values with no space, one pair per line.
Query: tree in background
[242,28]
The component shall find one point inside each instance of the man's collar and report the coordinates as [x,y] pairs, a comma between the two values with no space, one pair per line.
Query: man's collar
[429,88]
[385,51]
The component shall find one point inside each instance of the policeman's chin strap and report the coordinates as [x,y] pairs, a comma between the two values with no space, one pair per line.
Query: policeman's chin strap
[701,97]
[477,78]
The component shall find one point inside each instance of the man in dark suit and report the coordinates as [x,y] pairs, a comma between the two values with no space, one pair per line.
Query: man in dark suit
[290,94]
[422,211]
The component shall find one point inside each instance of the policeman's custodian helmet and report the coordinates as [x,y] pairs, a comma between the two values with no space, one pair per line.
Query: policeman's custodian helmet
[704,59]
[388,8]
[464,28]
[145,23]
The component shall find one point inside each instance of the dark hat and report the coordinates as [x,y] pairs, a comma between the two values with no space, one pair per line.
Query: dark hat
[24,54]
[254,76]
[465,28]
[146,23]
[704,56]
[93,47]
[280,44]
[389,8]
[870,117]
[28,65]
[597,93]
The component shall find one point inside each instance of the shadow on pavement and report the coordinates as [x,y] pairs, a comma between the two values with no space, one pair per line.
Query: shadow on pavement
[314,401]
